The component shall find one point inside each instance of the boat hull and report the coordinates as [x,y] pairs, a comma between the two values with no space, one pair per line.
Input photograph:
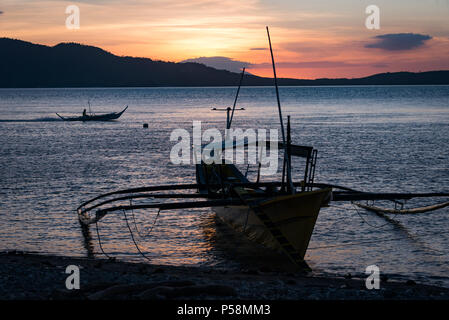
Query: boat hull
[293,215]
[101,117]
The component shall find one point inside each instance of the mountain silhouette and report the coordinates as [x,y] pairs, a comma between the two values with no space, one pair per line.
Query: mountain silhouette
[27,65]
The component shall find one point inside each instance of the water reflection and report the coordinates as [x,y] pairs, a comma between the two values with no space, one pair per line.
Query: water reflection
[234,248]
[379,139]
[87,240]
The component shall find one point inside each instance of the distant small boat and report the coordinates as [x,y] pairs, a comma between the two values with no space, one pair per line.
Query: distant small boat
[95,117]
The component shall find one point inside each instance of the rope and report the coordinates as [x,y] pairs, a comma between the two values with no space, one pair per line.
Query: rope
[137,229]
[365,221]
[131,233]
[374,241]
[132,237]
[99,241]
[246,221]
[361,217]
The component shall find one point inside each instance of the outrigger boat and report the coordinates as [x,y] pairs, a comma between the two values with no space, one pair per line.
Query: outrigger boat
[280,215]
[95,117]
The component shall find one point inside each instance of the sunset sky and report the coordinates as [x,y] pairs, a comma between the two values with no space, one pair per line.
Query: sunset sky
[311,39]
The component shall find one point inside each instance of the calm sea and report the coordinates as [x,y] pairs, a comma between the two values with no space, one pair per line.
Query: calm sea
[384,139]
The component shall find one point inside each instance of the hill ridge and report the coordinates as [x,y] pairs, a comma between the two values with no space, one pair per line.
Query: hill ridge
[68,64]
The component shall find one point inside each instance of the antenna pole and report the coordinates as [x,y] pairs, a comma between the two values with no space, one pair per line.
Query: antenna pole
[289,177]
[228,126]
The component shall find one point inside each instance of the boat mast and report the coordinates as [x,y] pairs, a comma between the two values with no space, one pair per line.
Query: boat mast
[90,111]
[286,157]
[229,119]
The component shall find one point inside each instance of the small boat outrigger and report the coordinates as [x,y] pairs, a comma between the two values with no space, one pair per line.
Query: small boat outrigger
[95,117]
[280,215]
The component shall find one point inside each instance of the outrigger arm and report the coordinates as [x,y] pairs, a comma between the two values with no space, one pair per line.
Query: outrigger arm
[114,201]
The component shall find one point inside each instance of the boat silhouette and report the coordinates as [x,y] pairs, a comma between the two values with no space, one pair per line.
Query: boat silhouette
[95,117]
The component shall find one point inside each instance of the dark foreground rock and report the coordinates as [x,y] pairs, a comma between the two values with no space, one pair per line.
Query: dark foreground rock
[40,277]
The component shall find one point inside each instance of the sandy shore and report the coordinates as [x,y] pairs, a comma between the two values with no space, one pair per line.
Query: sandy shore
[42,277]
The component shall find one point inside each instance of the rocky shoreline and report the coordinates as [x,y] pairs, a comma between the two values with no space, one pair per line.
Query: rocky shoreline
[27,276]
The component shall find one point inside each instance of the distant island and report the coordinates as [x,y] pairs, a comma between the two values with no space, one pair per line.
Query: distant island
[27,65]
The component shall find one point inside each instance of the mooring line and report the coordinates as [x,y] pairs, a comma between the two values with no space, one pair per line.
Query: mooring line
[374,241]
[361,217]
[99,241]
[396,224]
[132,237]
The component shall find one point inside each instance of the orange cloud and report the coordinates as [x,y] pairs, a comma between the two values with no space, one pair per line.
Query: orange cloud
[310,39]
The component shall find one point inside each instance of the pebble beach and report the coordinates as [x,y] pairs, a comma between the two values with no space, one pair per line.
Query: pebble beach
[28,276]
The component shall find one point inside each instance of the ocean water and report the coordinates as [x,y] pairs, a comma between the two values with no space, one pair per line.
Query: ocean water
[384,139]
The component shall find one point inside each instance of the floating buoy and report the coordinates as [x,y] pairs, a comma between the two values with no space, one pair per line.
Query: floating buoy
[145,125]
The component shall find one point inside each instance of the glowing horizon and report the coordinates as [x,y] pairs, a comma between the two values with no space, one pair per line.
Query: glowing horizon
[310,40]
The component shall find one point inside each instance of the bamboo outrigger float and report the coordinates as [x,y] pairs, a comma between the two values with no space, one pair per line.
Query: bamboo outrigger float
[279,215]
